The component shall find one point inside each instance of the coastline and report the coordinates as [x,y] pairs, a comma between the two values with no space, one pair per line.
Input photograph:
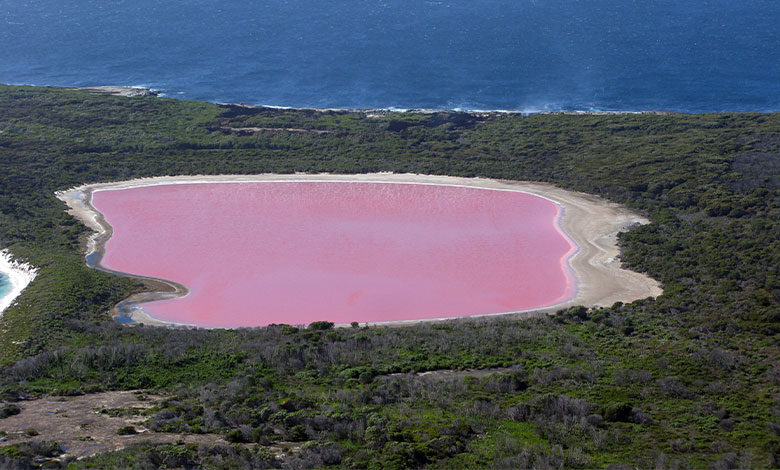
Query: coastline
[131,91]
[115,90]
[590,222]
[19,274]
[378,112]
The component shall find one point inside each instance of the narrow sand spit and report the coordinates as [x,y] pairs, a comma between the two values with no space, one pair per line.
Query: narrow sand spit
[20,275]
[591,222]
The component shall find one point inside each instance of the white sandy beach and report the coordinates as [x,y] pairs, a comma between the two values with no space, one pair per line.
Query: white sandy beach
[591,222]
[20,275]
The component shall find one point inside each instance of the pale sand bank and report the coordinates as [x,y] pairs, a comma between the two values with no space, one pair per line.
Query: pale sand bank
[115,90]
[19,274]
[592,224]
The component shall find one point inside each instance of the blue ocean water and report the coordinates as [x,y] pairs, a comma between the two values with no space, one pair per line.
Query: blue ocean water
[5,285]
[619,55]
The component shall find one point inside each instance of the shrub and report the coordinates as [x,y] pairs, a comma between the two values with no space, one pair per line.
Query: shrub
[235,436]
[126,431]
[297,433]
[640,417]
[321,325]
[673,387]
[24,454]
[618,412]
[9,410]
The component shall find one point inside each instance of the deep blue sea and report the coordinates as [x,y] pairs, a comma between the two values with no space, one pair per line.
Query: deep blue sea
[612,55]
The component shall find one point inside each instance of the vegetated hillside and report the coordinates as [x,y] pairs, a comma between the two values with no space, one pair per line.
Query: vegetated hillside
[691,379]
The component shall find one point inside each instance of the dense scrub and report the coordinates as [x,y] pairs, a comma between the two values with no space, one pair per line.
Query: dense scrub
[689,380]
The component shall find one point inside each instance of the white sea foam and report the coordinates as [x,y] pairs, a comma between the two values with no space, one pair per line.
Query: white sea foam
[525,111]
[145,87]
[19,274]
[272,106]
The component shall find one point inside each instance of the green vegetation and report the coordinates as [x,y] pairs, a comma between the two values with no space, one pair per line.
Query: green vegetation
[126,431]
[9,409]
[23,455]
[691,379]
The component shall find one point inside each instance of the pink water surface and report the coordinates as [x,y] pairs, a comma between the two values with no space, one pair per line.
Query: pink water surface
[297,252]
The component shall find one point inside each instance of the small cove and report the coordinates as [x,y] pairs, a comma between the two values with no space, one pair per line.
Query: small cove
[14,277]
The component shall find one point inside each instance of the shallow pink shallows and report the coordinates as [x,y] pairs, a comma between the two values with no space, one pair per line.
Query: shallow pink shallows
[297,252]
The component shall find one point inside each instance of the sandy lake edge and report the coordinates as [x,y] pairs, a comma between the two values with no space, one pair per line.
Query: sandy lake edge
[591,222]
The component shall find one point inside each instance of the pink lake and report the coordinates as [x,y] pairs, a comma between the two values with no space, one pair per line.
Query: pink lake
[258,253]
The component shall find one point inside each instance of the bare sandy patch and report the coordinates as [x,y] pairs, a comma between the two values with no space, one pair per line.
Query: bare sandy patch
[591,222]
[87,425]
[116,90]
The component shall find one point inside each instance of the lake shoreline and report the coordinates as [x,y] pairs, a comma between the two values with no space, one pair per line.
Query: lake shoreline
[591,223]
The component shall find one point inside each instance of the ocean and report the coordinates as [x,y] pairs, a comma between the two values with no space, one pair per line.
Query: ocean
[5,285]
[522,55]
